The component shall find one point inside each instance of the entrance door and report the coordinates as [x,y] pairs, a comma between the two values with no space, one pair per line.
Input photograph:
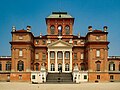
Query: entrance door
[60,67]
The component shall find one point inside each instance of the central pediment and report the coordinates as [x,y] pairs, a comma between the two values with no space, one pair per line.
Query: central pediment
[60,43]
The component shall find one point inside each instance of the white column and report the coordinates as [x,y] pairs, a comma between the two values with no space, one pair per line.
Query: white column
[49,61]
[70,60]
[56,65]
[63,65]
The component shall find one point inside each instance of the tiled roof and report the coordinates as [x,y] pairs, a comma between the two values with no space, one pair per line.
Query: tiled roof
[21,30]
[59,15]
[97,31]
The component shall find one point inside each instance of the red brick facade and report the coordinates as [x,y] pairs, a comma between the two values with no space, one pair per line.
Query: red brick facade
[89,53]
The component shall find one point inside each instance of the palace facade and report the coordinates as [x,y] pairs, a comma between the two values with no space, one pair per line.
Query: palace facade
[37,58]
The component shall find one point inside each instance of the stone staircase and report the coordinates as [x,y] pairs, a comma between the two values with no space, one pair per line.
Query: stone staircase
[59,77]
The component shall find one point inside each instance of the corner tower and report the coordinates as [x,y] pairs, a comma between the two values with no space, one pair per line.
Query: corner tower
[59,23]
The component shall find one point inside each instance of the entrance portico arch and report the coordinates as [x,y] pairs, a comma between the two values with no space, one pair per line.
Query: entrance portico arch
[60,67]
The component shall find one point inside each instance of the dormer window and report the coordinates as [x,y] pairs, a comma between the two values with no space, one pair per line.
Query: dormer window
[67,30]
[52,29]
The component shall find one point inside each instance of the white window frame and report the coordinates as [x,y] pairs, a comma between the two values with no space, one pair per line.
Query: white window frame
[52,55]
[82,55]
[20,52]
[36,56]
[97,53]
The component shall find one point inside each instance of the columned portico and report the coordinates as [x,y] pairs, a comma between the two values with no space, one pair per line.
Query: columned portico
[60,48]
[56,64]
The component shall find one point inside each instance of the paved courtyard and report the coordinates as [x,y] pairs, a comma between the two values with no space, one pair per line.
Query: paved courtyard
[82,86]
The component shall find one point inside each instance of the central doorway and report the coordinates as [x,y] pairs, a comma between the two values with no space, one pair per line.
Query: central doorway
[60,67]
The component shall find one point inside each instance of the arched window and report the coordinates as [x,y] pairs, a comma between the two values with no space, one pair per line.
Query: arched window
[37,66]
[0,66]
[52,67]
[8,66]
[60,30]
[111,66]
[66,67]
[67,30]
[67,55]
[52,29]
[20,66]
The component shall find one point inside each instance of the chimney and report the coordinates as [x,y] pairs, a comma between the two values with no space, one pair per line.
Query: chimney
[28,28]
[105,28]
[90,28]
[13,28]
[40,35]
[79,35]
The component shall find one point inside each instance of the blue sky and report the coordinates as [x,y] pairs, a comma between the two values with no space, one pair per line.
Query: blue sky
[97,13]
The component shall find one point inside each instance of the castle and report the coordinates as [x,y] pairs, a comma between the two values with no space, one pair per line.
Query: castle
[43,58]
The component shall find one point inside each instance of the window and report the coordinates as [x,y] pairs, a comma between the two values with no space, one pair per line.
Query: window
[20,37]
[67,55]
[36,56]
[67,30]
[75,42]
[119,66]
[0,66]
[111,77]
[52,67]
[75,55]
[82,66]
[52,55]
[98,67]
[44,42]
[97,53]
[37,42]
[59,55]
[8,66]
[33,76]
[20,52]
[85,76]
[60,30]
[43,56]
[37,67]
[98,76]
[52,29]
[82,55]
[66,67]
[97,37]
[20,66]
[20,77]
[111,66]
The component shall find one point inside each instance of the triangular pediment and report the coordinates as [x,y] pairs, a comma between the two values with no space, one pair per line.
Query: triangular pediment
[60,43]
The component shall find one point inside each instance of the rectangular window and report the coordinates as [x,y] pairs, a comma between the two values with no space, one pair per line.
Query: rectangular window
[59,55]
[0,66]
[98,67]
[52,55]
[75,42]
[75,55]
[82,55]
[20,52]
[33,76]
[98,76]
[111,77]
[37,42]
[43,56]
[20,77]
[97,53]
[36,56]
[85,76]
[44,42]
[67,55]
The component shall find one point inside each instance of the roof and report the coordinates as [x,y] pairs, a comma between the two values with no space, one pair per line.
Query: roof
[59,15]
[21,30]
